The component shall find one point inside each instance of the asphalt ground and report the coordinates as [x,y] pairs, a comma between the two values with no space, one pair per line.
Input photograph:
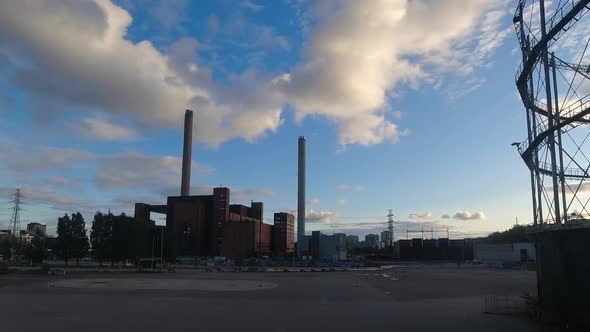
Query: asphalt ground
[400,299]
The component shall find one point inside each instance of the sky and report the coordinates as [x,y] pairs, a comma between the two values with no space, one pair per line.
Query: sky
[405,105]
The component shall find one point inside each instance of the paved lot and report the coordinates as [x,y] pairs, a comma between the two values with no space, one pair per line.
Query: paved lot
[402,299]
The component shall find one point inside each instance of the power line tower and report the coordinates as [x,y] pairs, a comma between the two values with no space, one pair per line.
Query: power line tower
[14,225]
[390,228]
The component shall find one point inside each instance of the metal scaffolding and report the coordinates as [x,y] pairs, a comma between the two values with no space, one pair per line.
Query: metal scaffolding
[553,81]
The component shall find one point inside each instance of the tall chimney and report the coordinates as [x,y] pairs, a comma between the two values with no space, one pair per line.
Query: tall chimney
[301,196]
[186,154]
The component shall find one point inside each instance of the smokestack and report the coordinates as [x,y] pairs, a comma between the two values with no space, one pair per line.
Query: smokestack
[301,195]
[186,153]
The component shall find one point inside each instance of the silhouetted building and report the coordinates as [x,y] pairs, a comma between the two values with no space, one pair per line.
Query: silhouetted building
[385,237]
[283,234]
[435,249]
[35,227]
[352,240]
[207,225]
[245,234]
[372,240]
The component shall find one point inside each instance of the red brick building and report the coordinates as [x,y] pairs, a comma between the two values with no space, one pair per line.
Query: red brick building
[207,225]
[283,234]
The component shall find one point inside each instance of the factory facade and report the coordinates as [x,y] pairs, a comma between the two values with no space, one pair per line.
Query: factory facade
[208,225]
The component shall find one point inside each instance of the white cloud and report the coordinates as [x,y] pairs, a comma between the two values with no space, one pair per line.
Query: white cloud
[465,215]
[88,41]
[420,216]
[314,201]
[251,5]
[100,129]
[320,217]
[358,53]
[342,202]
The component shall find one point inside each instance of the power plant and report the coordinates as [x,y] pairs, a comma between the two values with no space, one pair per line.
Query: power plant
[208,225]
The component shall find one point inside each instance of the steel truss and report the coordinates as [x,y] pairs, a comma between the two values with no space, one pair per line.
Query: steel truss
[555,91]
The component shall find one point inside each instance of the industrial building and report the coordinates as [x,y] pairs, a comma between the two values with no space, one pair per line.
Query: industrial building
[283,234]
[207,225]
[372,240]
[328,247]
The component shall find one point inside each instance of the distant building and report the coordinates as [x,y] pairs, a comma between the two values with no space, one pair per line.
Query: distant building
[25,237]
[35,227]
[372,240]
[5,234]
[283,234]
[328,247]
[504,253]
[434,249]
[385,236]
[352,240]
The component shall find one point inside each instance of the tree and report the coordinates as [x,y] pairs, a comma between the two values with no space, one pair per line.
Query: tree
[71,236]
[517,233]
[101,236]
[64,237]
[81,246]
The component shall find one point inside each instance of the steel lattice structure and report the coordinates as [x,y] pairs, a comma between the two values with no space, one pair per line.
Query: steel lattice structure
[553,81]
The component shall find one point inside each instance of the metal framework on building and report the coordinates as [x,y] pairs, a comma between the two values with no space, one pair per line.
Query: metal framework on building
[553,81]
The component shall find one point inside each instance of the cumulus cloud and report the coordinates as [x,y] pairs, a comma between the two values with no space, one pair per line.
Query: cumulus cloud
[465,215]
[420,216]
[360,51]
[101,129]
[314,201]
[342,202]
[320,217]
[87,40]
[357,54]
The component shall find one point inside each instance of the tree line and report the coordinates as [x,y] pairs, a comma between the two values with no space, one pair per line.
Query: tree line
[113,238]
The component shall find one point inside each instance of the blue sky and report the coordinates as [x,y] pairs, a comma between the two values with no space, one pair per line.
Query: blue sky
[405,106]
